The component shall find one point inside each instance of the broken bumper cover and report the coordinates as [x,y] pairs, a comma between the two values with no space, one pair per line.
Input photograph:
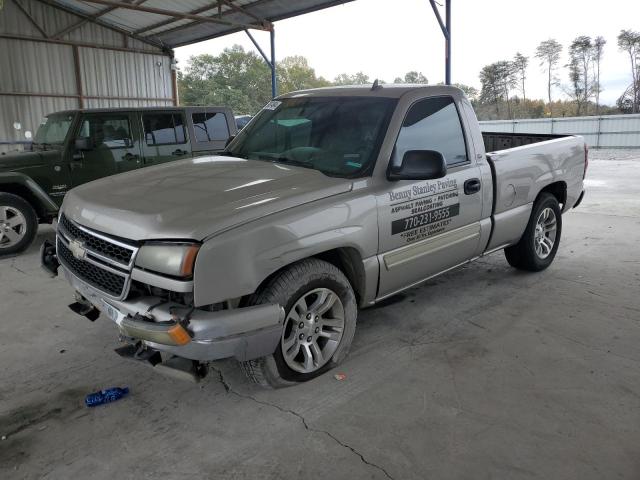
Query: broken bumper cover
[243,333]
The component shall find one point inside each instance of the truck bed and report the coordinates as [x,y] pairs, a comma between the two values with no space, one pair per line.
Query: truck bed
[494,141]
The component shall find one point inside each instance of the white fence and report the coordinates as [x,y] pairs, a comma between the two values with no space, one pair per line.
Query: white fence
[609,131]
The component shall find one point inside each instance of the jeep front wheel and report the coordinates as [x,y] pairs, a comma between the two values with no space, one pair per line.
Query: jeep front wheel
[18,224]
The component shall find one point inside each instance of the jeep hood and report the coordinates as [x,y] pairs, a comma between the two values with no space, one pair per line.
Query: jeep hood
[20,161]
[195,198]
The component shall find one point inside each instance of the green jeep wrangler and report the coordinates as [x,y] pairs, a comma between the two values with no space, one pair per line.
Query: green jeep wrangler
[77,146]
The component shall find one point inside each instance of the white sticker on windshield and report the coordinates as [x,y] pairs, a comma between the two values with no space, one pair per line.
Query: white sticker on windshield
[272,105]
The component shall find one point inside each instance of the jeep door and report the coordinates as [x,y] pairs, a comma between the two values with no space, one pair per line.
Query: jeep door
[210,129]
[165,137]
[110,146]
[429,226]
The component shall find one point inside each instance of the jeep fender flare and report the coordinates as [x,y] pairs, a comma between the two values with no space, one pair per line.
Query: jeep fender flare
[39,199]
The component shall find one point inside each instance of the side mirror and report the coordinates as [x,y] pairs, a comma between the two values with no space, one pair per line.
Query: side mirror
[83,144]
[419,165]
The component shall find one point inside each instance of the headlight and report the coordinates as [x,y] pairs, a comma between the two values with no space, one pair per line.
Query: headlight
[175,259]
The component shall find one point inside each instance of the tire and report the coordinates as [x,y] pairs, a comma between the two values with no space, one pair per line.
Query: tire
[308,283]
[18,224]
[538,246]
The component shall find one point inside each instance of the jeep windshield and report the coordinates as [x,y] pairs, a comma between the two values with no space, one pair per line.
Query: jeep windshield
[339,136]
[53,130]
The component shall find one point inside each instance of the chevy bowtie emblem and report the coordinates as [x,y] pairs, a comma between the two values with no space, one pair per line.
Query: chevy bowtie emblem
[77,249]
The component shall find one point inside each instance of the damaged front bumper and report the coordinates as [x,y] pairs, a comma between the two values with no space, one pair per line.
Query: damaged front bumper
[199,335]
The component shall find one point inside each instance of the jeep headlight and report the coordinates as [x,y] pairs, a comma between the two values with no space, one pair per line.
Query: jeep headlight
[175,259]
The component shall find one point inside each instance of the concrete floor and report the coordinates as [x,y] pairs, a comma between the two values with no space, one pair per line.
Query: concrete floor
[485,372]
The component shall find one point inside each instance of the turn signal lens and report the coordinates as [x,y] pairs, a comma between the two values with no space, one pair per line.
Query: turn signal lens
[179,334]
[189,260]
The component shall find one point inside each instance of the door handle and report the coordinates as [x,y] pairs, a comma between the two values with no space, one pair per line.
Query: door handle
[472,186]
[179,152]
[129,157]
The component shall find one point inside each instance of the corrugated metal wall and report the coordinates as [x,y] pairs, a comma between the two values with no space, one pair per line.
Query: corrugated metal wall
[39,77]
[611,131]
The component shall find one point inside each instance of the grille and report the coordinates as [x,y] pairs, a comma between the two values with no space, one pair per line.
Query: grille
[93,275]
[103,247]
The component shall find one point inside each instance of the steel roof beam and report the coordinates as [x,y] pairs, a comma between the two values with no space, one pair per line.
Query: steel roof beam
[216,5]
[97,21]
[175,14]
[31,19]
[90,18]
[243,11]
[172,20]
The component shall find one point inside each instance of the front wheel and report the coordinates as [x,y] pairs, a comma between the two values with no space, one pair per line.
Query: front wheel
[538,246]
[318,328]
[18,224]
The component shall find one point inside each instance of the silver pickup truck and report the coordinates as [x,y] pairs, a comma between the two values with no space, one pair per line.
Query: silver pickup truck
[328,201]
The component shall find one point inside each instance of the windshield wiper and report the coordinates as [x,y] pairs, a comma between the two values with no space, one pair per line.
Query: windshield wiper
[291,161]
[226,153]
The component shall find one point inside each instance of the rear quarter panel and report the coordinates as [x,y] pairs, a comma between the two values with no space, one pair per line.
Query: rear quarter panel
[522,172]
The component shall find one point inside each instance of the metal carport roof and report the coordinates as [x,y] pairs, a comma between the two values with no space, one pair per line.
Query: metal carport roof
[169,24]
[174,24]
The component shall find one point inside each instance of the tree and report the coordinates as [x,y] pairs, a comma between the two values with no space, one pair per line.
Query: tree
[356,79]
[294,73]
[470,92]
[412,77]
[581,57]
[548,52]
[491,91]
[241,79]
[598,52]
[629,41]
[520,63]
[235,78]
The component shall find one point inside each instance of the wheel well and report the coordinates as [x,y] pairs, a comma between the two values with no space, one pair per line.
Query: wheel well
[558,190]
[347,259]
[26,194]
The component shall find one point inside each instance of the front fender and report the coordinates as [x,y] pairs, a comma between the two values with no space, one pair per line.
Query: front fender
[235,263]
[27,183]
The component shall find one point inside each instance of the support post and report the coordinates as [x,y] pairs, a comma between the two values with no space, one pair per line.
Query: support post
[448,43]
[446,31]
[78,75]
[271,62]
[274,80]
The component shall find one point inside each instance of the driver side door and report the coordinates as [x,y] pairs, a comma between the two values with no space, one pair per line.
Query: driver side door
[429,226]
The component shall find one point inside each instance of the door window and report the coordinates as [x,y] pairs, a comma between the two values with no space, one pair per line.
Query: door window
[433,124]
[164,129]
[107,132]
[210,126]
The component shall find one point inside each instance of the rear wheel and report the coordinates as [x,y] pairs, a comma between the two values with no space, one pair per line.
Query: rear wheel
[320,321]
[538,246]
[18,224]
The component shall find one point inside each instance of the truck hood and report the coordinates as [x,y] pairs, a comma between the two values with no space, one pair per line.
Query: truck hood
[195,198]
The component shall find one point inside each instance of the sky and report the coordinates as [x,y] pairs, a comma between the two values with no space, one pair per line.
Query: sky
[385,39]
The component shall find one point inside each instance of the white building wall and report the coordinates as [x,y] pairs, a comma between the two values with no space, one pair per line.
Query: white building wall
[609,131]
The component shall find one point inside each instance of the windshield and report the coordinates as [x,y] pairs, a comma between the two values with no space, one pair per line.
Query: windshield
[340,136]
[53,130]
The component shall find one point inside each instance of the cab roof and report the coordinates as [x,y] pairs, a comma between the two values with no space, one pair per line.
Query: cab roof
[392,90]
